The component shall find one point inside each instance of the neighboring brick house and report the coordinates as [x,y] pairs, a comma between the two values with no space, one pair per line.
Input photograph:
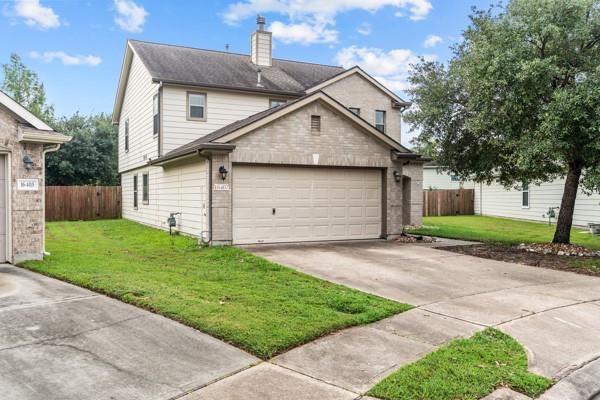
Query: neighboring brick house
[253,149]
[24,141]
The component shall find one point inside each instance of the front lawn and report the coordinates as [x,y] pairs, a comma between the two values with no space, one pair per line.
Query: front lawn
[499,230]
[262,307]
[465,369]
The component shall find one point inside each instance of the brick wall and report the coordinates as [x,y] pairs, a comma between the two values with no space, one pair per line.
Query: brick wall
[27,206]
[289,141]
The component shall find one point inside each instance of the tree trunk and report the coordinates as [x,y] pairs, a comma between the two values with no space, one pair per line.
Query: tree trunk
[567,205]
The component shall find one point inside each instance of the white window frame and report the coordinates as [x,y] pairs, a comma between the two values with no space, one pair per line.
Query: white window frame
[525,190]
[189,105]
[146,188]
[156,115]
[384,121]
[126,135]
[135,192]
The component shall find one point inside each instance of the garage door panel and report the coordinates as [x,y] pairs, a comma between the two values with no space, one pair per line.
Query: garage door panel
[310,203]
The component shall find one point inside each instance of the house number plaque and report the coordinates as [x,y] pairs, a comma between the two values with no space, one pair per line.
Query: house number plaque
[221,186]
[27,184]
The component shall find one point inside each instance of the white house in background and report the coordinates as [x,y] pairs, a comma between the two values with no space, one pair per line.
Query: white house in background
[435,177]
[530,203]
[252,149]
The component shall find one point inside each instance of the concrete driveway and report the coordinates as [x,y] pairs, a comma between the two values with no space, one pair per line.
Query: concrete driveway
[555,315]
[58,341]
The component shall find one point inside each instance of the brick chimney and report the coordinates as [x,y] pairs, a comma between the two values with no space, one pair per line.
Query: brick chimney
[261,44]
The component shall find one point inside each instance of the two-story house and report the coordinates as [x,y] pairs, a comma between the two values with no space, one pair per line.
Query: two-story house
[254,149]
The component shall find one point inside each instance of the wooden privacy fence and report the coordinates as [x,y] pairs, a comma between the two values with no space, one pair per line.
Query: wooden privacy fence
[71,203]
[448,202]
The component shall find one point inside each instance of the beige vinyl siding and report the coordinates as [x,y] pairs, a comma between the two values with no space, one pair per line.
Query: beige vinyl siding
[438,179]
[499,202]
[182,188]
[222,108]
[137,106]
[356,91]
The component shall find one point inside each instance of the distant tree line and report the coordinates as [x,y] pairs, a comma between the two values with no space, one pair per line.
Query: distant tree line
[90,158]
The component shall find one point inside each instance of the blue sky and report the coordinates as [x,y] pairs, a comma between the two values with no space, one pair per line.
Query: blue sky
[76,46]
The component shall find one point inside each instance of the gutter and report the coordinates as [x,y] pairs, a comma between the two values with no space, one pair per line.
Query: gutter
[46,149]
[232,88]
[192,151]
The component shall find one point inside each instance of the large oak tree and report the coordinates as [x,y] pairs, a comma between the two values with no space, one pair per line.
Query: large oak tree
[519,101]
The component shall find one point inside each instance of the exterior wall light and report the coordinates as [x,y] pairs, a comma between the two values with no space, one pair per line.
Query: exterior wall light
[28,161]
[223,171]
[397,176]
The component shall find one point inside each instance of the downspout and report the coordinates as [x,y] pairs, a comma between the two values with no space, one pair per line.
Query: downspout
[44,151]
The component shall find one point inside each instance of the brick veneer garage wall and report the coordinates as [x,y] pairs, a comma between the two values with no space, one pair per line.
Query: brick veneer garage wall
[27,207]
[340,143]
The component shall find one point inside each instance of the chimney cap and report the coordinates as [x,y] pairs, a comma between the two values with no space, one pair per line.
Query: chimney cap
[260,21]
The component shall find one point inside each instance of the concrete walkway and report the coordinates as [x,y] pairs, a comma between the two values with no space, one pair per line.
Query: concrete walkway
[555,315]
[61,342]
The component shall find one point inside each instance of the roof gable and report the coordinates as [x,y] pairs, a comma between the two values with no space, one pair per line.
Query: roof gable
[22,113]
[359,71]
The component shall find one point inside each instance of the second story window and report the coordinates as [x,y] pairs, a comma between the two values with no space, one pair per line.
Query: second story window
[155,115]
[196,103]
[355,110]
[380,120]
[276,102]
[127,134]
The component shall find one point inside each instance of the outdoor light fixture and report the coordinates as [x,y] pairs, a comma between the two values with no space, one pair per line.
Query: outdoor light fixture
[397,176]
[223,171]
[28,161]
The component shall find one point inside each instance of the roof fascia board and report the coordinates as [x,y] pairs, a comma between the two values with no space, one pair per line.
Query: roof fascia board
[42,136]
[123,79]
[23,113]
[369,78]
[301,103]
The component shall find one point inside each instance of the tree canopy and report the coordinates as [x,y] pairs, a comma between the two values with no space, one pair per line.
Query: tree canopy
[90,158]
[519,101]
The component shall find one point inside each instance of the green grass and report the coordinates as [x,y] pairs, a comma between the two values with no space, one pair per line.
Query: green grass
[498,230]
[465,369]
[262,307]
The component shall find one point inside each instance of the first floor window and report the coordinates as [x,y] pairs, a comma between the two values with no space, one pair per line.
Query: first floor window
[380,120]
[525,196]
[355,110]
[196,106]
[135,192]
[145,187]
[454,178]
[276,103]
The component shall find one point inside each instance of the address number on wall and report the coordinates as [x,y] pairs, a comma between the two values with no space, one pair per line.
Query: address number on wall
[221,186]
[27,184]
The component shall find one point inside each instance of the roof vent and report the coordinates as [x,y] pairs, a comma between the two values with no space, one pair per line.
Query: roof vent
[258,78]
[261,51]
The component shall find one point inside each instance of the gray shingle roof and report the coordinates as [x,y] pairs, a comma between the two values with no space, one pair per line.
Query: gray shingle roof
[210,68]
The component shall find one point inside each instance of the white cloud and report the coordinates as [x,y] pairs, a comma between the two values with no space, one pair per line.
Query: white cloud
[303,33]
[130,16]
[66,59]
[35,14]
[312,20]
[364,29]
[391,68]
[432,41]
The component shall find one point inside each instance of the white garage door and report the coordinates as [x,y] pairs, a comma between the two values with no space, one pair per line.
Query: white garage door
[292,204]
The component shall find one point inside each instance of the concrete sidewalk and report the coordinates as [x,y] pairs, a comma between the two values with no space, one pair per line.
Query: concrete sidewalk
[61,342]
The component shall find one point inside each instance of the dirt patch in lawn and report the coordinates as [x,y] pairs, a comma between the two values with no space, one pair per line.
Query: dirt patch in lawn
[515,254]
